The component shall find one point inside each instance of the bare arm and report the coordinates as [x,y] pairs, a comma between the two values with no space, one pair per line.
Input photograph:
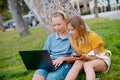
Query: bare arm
[90,56]
[69,59]
[97,50]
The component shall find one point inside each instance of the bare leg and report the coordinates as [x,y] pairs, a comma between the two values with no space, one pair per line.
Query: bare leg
[38,77]
[90,67]
[77,66]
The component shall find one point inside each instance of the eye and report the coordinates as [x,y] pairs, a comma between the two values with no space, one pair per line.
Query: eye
[71,29]
[54,25]
[58,24]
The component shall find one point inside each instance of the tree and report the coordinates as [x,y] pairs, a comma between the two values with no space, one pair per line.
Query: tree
[108,4]
[1,24]
[96,8]
[22,27]
[42,9]
[3,5]
[23,7]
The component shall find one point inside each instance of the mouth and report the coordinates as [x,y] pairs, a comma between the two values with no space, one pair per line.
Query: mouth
[58,30]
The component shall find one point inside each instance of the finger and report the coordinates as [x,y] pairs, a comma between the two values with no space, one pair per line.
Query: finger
[77,58]
[56,64]
[59,64]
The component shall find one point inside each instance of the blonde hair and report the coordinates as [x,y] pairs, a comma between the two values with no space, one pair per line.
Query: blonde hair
[82,32]
[59,13]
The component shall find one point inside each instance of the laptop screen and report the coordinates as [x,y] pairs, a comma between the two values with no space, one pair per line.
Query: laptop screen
[37,59]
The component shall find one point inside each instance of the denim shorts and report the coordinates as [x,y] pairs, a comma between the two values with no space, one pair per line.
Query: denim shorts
[58,74]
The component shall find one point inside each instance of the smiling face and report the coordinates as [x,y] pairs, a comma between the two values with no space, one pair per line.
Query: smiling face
[72,31]
[76,27]
[58,24]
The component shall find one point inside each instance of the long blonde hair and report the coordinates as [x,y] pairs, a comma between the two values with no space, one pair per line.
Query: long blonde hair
[82,32]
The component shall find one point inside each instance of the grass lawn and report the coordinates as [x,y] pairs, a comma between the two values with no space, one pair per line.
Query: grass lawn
[12,67]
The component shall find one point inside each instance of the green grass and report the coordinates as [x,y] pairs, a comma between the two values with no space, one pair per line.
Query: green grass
[109,30]
[12,67]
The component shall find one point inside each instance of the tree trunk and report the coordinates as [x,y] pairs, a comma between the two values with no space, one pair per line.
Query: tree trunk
[1,24]
[108,3]
[42,9]
[96,9]
[78,6]
[21,26]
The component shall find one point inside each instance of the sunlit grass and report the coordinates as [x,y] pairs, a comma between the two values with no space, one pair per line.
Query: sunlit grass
[12,67]
[109,30]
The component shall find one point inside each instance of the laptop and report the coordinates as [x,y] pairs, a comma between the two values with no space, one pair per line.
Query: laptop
[37,59]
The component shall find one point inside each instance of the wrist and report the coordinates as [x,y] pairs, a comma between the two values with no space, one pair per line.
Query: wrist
[64,58]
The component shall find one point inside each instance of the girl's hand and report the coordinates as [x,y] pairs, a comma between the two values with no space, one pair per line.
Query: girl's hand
[83,57]
[87,57]
[93,57]
[58,61]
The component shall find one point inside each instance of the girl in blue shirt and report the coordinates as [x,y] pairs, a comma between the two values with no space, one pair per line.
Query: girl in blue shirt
[59,48]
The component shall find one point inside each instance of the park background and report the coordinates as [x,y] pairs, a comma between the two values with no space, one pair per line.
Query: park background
[12,67]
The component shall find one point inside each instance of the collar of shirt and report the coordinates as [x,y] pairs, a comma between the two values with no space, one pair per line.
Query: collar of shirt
[58,37]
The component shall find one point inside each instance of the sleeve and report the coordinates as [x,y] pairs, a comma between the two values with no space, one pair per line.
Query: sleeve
[96,41]
[46,45]
[72,51]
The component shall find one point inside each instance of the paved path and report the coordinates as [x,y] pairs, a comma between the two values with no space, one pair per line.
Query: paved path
[110,15]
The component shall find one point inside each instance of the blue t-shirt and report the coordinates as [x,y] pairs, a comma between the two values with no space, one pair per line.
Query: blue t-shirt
[57,46]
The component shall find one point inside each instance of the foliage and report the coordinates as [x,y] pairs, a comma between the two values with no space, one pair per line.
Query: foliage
[23,7]
[3,5]
[12,67]
[6,15]
[85,13]
[5,12]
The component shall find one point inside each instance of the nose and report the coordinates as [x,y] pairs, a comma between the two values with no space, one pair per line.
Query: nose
[70,32]
[55,26]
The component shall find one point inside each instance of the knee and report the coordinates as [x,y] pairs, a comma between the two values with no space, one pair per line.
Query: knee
[87,65]
[55,77]
[38,77]
[78,64]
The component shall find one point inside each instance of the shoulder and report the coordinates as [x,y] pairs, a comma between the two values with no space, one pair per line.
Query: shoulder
[92,34]
[95,38]
[51,36]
